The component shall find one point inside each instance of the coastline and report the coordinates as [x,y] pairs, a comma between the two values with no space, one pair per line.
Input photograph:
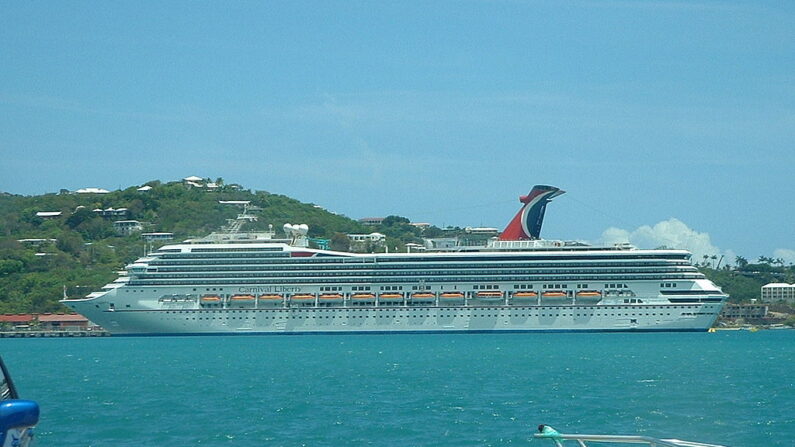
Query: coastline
[52,334]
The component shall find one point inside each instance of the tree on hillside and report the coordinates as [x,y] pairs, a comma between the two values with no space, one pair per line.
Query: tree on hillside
[399,228]
[432,231]
[393,220]
[136,208]
[79,216]
[95,229]
[8,266]
[70,243]
[340,242]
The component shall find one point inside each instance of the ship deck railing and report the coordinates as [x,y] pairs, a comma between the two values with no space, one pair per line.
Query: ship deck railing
[584,440]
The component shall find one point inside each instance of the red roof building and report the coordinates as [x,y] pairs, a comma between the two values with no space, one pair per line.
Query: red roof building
[63,321]
[47,322]
[16,318]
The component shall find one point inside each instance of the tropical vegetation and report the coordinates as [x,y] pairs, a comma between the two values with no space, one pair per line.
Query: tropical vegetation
[43,257]
[78,251]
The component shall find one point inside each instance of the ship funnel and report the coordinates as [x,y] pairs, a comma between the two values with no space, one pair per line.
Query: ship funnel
[527,222]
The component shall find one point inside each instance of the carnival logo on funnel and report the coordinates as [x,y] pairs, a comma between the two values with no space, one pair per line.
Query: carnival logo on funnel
[527,222]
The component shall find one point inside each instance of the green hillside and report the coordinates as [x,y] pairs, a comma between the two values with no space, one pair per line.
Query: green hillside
[80,250]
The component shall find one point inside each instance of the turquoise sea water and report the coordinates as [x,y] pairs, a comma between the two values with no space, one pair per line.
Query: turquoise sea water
[733,388]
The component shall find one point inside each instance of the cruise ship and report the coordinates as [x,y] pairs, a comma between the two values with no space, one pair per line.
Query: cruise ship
[233,282]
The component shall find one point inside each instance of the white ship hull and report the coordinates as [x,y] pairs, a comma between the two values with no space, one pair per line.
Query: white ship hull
[233,283]
[313,320]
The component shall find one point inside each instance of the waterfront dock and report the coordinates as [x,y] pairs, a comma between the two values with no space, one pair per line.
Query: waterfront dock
[50,334]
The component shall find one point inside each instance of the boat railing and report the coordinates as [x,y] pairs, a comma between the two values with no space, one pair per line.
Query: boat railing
[585,440]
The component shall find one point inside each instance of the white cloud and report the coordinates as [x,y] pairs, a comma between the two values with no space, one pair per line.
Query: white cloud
[671,233]
[786,254]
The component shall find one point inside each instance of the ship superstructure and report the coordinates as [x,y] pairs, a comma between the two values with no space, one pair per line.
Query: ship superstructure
[239,283]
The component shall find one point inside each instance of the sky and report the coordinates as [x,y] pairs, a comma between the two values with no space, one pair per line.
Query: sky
[667,122]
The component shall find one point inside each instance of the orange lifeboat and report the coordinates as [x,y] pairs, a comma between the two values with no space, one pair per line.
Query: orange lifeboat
[554,294]
[363,296]
[589,296]
[242,298]
[423,296]
[331,297]
[525,294]
[390,296]
[211,299]
[451,295]
[303,297]
[589,293]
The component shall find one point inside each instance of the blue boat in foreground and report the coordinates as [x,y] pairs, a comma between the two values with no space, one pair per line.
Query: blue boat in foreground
[17,416]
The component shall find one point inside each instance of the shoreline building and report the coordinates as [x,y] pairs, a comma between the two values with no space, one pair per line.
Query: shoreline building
[775,292]
[152,237]
[46,322]
[371,221]
[111,213]
[127,227]
[366,242]
[744,311]
[92,191]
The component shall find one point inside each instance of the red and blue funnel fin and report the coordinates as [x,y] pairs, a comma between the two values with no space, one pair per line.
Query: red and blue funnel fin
[527,222]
